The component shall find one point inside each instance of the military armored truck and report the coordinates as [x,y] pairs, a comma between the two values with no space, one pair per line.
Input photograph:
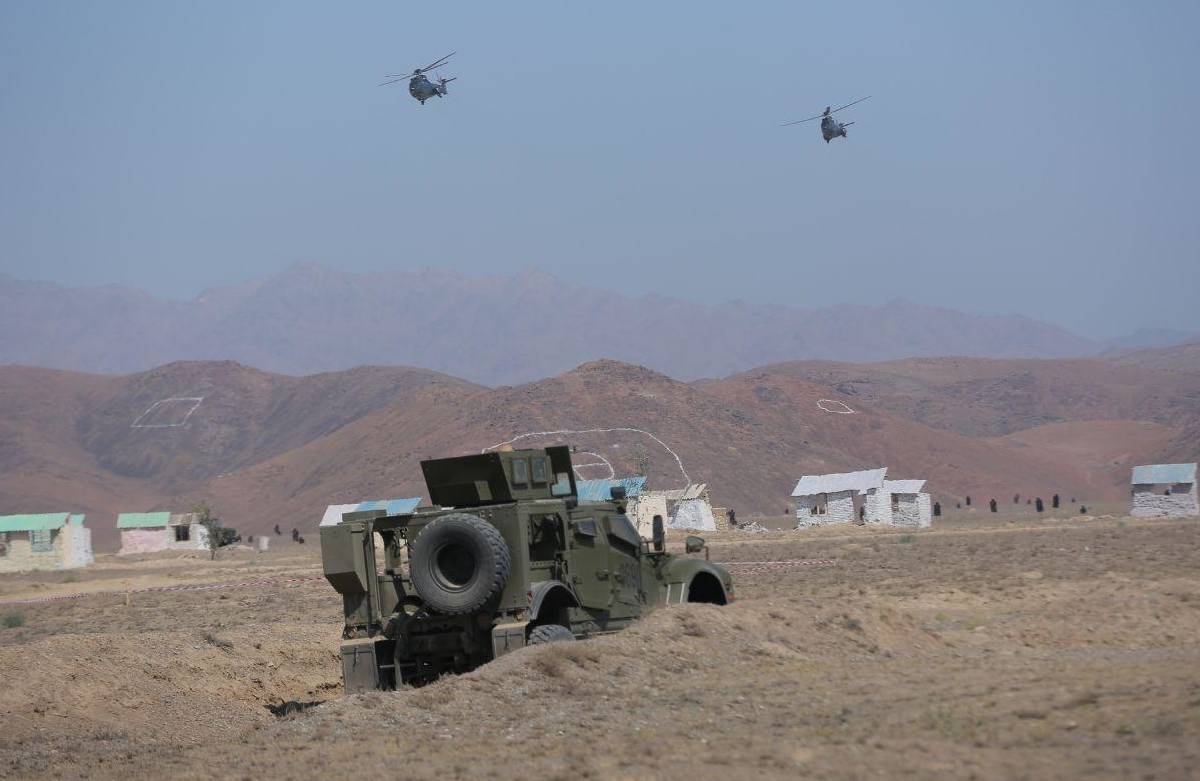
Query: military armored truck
[506,556]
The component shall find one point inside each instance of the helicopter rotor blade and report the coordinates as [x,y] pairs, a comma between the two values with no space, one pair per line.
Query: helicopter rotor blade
[393,81]
[801,121]
[436,63]
[848,105]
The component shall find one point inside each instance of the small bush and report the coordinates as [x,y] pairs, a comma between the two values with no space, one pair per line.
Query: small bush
[907,538]
[13,620]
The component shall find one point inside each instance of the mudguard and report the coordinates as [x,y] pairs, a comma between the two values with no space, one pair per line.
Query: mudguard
[678,574]
[543,589]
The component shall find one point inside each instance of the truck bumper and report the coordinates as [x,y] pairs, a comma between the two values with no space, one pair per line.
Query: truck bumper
[367,664]
[508,637]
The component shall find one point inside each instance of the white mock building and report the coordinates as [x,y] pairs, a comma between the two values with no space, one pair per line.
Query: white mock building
[909,504]
[849,497]
[161,531]
[1164,490]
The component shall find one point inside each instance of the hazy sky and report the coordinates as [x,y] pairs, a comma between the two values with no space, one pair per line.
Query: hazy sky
[1027,157]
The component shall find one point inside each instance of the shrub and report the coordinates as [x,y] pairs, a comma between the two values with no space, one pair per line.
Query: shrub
[13,620]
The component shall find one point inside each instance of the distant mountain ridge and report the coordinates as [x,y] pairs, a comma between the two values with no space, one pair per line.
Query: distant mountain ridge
[487,329]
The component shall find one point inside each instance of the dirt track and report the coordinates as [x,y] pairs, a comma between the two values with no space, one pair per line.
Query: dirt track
[983,648]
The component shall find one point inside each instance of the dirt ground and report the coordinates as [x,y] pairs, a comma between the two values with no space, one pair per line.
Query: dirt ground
[988,647]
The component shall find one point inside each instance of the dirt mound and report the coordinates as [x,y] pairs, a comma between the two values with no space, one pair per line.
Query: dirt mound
[126,694]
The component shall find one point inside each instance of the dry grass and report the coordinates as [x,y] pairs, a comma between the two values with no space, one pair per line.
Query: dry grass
[1037,648]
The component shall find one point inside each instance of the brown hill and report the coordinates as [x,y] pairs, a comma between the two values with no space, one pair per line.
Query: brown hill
[981,397]
[748,437]
[268,449]
[104,444]
[1183,357]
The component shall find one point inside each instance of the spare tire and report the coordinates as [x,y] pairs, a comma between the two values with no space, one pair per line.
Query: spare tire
[458,562]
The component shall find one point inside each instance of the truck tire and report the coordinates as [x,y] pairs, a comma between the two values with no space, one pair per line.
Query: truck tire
[549,633]
[459,562]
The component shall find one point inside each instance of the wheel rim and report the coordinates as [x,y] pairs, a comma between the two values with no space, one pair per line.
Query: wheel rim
[454,566]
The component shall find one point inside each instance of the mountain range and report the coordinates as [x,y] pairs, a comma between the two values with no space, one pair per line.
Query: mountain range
[267,448]
[492,330]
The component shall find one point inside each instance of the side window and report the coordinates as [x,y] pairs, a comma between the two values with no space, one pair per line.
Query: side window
[539,470]
[585,527]
[623,532]
[545,533]
[41,541]
[520,471]
[562,485]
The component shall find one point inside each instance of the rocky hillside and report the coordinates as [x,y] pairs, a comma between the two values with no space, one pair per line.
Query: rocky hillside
[266,448]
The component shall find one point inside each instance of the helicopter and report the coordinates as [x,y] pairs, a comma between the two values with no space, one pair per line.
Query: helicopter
[419,85]
[830,127]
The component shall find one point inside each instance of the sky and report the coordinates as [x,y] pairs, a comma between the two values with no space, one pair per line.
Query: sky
[1020,157]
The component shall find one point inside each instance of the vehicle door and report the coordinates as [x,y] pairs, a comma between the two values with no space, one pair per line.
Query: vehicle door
[625,549]
[589,564]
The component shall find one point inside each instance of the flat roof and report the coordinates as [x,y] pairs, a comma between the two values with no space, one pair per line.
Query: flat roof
[1159,474]
[903,486]
[810,485]
[33,522]
[143,520]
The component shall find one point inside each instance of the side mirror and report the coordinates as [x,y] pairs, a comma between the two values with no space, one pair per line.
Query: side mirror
[659,534]
[618,493]
[693,544]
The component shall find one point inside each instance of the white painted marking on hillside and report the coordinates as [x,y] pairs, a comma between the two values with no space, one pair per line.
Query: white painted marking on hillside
[604,462]
[195,400]
[845,408]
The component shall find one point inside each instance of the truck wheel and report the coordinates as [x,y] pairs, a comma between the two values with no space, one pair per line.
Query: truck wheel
[459,562]
[549,633]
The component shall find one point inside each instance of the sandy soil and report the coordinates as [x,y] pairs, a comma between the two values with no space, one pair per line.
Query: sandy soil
[985,648]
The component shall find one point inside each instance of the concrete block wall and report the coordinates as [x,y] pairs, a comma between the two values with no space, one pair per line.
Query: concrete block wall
[839,508]
[879,506]
[160,538]
[76,546]
[22,557]
[143,540]
[915,510]
[1151,501]
[643,509]
[197,538]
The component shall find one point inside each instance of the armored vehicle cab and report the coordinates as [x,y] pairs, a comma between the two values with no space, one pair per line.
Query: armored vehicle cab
[506,557]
